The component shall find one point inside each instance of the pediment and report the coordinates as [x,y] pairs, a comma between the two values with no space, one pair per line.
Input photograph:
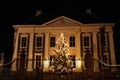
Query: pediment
[61,21]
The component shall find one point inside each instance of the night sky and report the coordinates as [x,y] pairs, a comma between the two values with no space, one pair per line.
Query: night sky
[21,11]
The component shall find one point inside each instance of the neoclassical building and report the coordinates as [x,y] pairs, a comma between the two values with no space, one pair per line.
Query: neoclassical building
[38,41]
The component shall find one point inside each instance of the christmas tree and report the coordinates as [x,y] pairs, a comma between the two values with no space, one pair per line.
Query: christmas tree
[61,63]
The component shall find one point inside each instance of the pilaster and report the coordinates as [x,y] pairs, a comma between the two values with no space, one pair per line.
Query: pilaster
[95,53]
[112,50]
[46,56]
[30,54]
[78,53]
[15,48]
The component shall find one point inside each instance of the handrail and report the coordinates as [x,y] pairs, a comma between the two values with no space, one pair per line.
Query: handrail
[93,59]
[7,63]
[106,64]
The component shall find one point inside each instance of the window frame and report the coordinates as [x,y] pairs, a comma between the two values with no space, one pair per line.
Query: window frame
[72,41]
[37,61]
[89,41]
[38,49]
[52,41]
[26,47]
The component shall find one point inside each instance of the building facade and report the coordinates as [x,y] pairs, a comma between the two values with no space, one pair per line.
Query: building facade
[39,41]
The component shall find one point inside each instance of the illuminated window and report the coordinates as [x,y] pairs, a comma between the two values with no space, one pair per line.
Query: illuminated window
[52,41]
[72,41]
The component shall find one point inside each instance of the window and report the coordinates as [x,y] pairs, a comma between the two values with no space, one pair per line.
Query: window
[39,41]
[38,45]
[23,42]
[105,60]
[86,41]
[72,41]
[52,41]
[38,61]
[51,59]
[103,42]
[73,59]
[103,49]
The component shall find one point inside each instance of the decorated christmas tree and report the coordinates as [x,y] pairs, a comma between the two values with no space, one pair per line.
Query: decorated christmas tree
[61,63]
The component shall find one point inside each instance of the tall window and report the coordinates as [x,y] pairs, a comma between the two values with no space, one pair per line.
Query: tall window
[104,50]
[23,42]
[72,41]
[39,42]
[38,61]
[86,41]
[52,41]
[23,47]
[105,44]
[38,45]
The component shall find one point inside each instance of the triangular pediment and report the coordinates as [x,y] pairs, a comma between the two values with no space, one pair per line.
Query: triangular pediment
[62,20]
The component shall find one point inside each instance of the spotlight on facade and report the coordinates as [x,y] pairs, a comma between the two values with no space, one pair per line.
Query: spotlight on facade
[79,62]
[46,63]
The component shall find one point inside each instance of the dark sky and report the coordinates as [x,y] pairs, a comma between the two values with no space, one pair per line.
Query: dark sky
[20,11]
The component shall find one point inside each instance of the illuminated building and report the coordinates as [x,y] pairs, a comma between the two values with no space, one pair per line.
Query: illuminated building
[38,41]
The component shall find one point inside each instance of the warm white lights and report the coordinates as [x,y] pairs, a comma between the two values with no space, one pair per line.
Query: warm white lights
[79,63]
[46,63]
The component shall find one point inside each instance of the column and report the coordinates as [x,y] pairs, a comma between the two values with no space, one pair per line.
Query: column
[112,51]
[30,54]
[95,53]
[78,53]
[46,56]
[15,48]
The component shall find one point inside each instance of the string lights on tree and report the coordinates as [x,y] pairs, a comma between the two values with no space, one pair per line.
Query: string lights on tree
[61,63]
